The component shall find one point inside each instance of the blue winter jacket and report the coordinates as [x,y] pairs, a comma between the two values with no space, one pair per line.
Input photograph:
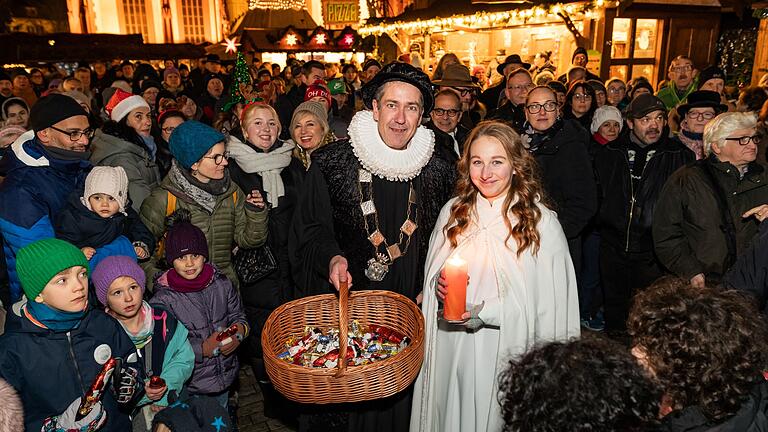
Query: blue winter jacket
[35,188]
[51,369]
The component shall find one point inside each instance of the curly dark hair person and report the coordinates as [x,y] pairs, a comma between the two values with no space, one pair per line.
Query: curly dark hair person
[706,347]
[585,385]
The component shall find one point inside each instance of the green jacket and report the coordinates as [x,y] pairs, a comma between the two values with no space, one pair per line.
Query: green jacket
[668,93]
[231,223]
[143,173]
[688,230]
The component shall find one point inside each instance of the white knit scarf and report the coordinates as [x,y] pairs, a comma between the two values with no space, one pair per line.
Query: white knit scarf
[267,165]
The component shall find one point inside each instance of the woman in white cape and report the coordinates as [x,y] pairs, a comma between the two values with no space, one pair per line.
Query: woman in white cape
[522,288]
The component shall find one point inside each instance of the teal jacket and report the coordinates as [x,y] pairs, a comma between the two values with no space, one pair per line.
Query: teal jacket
[178,359]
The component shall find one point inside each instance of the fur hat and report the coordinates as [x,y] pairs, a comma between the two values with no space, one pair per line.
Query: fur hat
[112,181]
[400,72]
[121,103]
[604,114]
[113,267]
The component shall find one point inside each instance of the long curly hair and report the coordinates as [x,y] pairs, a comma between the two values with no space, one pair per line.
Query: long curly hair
[706,347]
[584,385]
[523,194]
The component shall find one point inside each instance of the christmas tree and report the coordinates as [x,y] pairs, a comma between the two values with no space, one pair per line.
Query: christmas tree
[241,88]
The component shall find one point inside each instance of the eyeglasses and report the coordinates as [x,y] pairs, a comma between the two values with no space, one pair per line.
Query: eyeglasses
[534,108]
[686,68]
[616,90]
[582,96]
[218,158]
[746,139]
[449,112]
[75,135]
[464,91]
[169,130]
[520,87]
[700,115]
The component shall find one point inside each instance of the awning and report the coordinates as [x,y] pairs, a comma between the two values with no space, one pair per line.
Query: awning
[25,47]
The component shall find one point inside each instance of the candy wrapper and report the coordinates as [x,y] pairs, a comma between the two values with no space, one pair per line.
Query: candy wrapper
[227,334]
[365,344]
[96,391]
[156,382]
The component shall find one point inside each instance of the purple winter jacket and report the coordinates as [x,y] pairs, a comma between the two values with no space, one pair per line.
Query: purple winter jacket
[202,312]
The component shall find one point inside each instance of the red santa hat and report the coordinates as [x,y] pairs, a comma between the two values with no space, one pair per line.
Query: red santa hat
[319,88]
[122,102]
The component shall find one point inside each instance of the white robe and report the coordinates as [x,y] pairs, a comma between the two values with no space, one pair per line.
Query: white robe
[528,300]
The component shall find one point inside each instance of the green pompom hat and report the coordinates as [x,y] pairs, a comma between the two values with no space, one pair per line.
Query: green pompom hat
[38,262]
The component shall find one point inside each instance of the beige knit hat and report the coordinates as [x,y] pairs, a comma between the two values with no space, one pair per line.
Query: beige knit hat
[112,181]
[312,107]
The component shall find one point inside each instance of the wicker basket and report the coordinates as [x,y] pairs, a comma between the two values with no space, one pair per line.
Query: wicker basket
[345,384]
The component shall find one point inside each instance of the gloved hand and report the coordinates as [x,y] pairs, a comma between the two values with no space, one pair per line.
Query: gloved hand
[472,315]
[126,384]
[65,422]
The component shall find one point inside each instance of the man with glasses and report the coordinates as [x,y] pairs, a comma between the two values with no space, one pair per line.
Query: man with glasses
[449,133]
[457,78]
[519,82]
[631,171]
[704,218]
[43,167]
[701,108]
[682,82]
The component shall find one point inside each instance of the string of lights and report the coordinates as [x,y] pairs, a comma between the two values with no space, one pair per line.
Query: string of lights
[276,4]
[488,20]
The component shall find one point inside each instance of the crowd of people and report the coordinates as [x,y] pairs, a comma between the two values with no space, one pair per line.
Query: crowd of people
[152,219]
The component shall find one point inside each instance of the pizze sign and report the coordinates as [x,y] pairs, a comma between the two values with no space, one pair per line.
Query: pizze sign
[340,12]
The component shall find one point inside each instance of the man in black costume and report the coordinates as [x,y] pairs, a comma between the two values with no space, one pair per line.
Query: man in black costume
[368,207]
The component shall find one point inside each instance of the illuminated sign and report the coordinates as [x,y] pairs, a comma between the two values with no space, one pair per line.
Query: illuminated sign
[339,12]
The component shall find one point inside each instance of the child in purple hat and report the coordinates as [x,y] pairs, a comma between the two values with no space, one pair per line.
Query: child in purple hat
[205,301]
[158,336]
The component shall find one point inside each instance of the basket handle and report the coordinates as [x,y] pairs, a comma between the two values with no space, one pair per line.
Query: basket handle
[343,323]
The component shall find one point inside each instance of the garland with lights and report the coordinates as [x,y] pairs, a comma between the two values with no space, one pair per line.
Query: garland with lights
[488,20]
[276,4]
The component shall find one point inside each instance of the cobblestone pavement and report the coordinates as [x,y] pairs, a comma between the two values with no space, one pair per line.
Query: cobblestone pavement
[250,414]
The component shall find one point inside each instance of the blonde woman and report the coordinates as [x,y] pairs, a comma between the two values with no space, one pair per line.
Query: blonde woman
[309,130]
[522,287]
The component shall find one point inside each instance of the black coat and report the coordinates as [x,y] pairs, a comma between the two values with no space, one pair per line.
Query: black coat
[751,417]
[286,104]
[329,221]
[490,97]
[626,212]
[263,296]
[82,227]
[444,142]
[511,114]
[566,174]
[750,272]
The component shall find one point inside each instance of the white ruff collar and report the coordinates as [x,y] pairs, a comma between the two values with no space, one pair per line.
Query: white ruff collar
[385,162]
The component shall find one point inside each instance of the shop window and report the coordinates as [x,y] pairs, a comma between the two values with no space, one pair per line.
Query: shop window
[192,20]
[635,48]
[135,16]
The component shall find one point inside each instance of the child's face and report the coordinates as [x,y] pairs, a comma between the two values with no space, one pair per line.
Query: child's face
[67,291]
[104,205]
[124,297]
[189,266]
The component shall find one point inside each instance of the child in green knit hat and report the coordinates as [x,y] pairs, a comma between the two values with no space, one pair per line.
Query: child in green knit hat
[57,345]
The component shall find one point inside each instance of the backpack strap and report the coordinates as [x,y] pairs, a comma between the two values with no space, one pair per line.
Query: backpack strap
[170,207]
[728,227]
[234,197]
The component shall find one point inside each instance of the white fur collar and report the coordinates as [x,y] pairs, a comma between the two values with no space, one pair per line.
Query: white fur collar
[385,162]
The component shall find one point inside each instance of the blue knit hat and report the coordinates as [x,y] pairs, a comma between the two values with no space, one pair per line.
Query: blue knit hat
[191,140]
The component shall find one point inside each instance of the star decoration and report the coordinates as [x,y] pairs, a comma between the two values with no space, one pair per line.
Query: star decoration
[218,423]
[349,39]
[320,38]
[291,39]
[231,44]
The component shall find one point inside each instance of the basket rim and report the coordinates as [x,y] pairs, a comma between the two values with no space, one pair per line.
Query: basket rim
[417,340]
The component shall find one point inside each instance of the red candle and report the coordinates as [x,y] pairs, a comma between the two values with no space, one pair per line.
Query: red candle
[456,298]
